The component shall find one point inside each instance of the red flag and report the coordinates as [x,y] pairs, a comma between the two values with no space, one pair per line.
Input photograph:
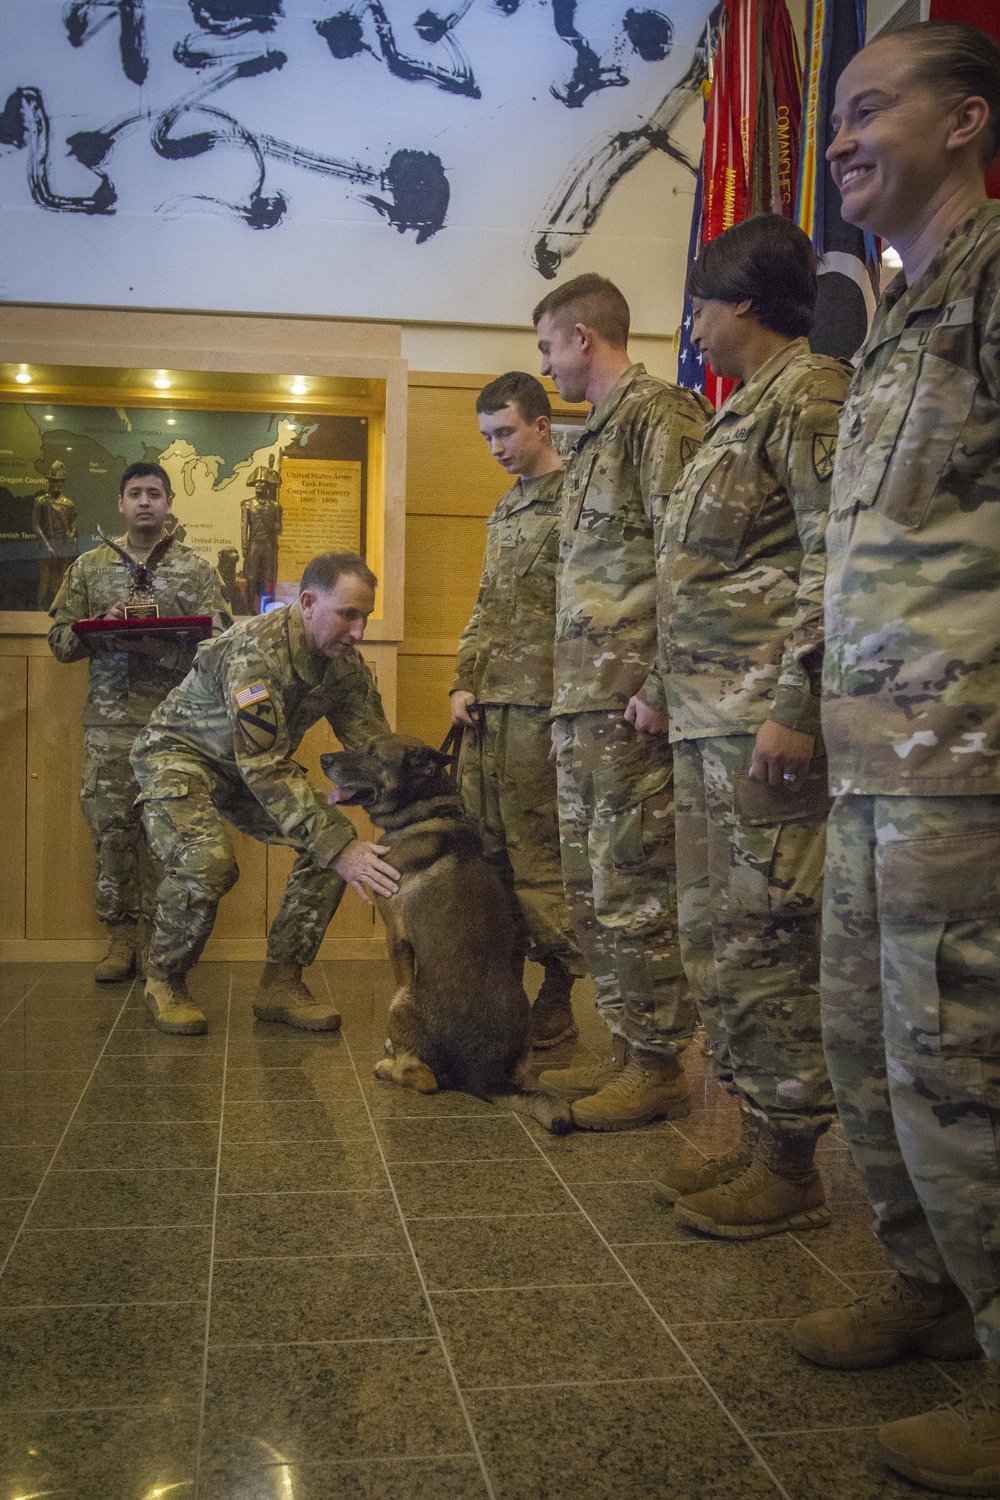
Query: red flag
[986,15]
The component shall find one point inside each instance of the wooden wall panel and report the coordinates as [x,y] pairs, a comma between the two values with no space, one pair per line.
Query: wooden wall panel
[13,758]
[444,557]
[423,696]
[449,470]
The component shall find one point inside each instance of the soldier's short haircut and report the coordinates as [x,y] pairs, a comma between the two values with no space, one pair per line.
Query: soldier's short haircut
[323,572]
[145,471]
[959,61]
[767,261]
[516,388]
[591,300]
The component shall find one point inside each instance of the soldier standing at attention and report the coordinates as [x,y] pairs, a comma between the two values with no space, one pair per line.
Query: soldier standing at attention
[911,718]
[126,684]
[741,570]
[613,760]
[219,751]
[502,691]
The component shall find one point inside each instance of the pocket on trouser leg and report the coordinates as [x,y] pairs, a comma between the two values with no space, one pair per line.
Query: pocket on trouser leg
[939,913]
[632,857]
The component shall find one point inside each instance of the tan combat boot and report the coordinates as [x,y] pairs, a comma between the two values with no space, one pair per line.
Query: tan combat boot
[552,1013]
[780,1189]
[577,1083]
[650,1087]
[954,1449]
[172,1008]
[282,996]
[679,1182]
[119,961]
[905,1316]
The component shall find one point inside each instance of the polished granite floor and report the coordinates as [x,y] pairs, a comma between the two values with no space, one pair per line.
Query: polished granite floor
[239,1269]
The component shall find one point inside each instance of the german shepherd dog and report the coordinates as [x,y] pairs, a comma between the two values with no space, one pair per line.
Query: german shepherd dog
[459,1018]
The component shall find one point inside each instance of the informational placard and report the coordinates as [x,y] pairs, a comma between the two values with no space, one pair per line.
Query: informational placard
[321,511]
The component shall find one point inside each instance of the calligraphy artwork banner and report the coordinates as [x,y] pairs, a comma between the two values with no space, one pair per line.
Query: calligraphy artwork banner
[364,158]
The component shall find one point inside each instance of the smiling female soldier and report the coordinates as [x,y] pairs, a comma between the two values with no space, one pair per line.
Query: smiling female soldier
[911,717]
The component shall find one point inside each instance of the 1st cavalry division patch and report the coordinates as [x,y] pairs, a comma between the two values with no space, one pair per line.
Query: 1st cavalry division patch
[259,724]
[824,452]
[689,447]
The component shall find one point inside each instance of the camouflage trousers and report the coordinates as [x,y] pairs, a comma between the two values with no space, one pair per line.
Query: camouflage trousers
[508,786]
[126,874]
[911,1025]
[186,807]
[616,831]
[749,884]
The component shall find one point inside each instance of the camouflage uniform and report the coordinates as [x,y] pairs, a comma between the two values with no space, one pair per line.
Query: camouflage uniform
[741,632]
[124,689]
[615,785]
[505,659]
[219,750]
[911,715]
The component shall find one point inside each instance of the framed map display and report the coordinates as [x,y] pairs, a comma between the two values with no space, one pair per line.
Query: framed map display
[257,493]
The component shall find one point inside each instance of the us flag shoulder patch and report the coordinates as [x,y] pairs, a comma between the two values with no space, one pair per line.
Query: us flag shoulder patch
[256,692]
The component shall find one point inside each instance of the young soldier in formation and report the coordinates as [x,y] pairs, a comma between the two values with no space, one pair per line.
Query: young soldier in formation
[502,691]
[125,686]
[613,760]
[911,717]
[741,570]
[219,750]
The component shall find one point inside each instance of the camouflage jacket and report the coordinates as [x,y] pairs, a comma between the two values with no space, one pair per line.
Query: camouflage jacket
[242,711]
[911,680]
[505,653]
[741,563]
[125,686]
[633,448]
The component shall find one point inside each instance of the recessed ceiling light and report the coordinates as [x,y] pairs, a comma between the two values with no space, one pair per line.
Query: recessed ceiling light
[22,377]
[162,383]
[299,387]
[171,421]
[49,417]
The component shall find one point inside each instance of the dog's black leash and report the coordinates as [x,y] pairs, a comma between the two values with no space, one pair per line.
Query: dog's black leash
[452,743]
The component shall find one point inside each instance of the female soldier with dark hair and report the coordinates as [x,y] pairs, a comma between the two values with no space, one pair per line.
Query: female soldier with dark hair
[740,580]
[911,716]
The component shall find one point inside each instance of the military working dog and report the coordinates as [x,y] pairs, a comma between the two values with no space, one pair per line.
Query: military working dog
[459,1018]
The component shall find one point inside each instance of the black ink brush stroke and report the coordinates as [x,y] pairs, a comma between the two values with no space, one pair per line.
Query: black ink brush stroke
[236,17]
[78,18]
[650,32]
[420,193]
[24,125]
[343,34]
[589,75]
[91,148]
[577,203]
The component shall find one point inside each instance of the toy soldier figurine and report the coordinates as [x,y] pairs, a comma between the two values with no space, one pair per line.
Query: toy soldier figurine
[259,532]
[54,523]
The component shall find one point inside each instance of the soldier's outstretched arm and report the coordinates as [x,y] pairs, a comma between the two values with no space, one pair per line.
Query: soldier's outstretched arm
[72,603]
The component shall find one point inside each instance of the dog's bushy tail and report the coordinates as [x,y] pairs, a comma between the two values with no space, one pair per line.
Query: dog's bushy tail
[554,1114]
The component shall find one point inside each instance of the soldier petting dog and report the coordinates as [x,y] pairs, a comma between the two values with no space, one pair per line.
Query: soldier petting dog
[218,752]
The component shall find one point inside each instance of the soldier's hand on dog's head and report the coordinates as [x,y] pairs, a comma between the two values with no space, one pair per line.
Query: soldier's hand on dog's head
[360,866]
[463,706]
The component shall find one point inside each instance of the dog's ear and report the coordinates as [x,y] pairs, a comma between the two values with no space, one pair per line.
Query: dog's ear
[423,761]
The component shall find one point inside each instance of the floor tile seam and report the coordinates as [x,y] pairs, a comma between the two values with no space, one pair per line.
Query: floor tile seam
[360,1338]
[97,1124]
[240,1260]
[92,1406]
[15,1008]
[730,1416]
[35,1196]
[305,1192]
[782,1432]
[22,1307]
[114,1228]
[466,1414]
[389,1458]
[453,1161]
[556,1385]
[555,1213]
[534,1286]
[293,1140]
[820,1261]
[203,1391]
[77,1171]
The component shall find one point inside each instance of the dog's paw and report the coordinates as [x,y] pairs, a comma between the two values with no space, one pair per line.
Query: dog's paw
[384,1070]
[561,1122]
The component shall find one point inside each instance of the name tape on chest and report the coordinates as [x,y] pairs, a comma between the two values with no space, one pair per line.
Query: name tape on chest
[256,692]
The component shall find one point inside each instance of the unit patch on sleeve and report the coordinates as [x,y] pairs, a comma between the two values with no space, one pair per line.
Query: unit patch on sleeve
[259,724]
[823,455]
[255,693]
[689,447]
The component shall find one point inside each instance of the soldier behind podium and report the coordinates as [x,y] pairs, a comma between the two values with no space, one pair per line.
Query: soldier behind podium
[502,690]
[218,754]
[126,684]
